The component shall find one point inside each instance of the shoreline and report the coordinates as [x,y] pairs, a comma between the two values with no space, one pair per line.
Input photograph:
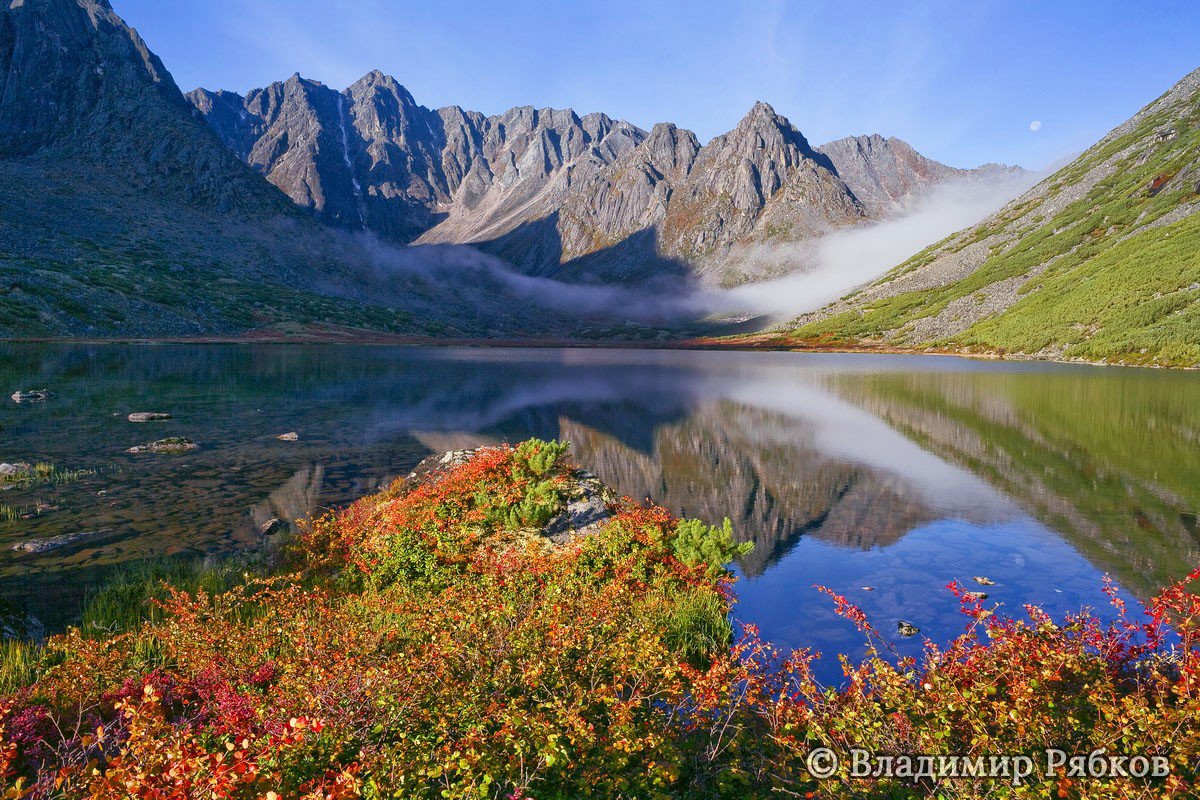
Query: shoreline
[742,344]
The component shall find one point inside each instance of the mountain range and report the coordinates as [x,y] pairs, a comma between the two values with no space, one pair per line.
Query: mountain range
[130,209]
[556,193]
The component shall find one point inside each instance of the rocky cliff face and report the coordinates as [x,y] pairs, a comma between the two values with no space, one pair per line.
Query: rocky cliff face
[884,174]
[556,193]
[78,83]
[121,213]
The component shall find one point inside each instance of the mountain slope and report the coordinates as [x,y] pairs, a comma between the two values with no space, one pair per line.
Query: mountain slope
[121,213]
[585,198]
[1099,262]
[78,83]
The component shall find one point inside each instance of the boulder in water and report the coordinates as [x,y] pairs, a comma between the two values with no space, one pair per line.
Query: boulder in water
[32,396]
[272,527]
[55,542]
[148,416]
[170,446]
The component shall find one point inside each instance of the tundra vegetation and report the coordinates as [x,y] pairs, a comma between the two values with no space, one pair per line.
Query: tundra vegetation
[429,642]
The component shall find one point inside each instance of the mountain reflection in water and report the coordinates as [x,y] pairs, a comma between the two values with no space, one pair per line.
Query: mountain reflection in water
[894,472]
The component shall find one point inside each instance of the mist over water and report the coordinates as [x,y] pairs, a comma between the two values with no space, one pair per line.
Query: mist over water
[846,259]
[472,271]
[818,271]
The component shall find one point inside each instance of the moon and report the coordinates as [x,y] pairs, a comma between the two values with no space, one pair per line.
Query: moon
[1035,126]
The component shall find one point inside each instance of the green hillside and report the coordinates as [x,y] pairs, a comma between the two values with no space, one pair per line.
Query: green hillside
[1099,262]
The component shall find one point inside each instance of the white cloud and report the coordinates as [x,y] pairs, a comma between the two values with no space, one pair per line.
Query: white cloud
[1035,126]
[848,258]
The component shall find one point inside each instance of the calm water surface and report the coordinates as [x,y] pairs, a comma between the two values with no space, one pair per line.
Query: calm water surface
[899,473]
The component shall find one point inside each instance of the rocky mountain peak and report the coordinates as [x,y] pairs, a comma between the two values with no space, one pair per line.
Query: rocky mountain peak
[886,173]
[80,82]
[547,187]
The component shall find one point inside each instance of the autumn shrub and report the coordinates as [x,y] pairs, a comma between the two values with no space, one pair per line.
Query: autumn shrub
[427,643]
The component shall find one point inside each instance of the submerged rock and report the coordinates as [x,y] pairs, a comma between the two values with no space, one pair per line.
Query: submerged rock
[982,581]
[291,436]
[907,628]
[32,396]
[977,597]
[148,416]
[19,625]
[171,445]
[55,542]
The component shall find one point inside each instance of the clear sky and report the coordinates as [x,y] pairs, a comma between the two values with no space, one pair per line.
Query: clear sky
[961,80]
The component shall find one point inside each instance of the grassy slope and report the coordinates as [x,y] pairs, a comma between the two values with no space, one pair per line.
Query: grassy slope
[1102,297]
[84,254]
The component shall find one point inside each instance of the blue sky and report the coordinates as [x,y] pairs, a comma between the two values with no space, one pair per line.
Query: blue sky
[961,81]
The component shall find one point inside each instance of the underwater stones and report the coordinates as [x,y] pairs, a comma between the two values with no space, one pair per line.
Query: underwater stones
[55,542]
[32,396]
[290,436]
[982,581]
[16,624]
[975,597]
[148,416]
[172,445]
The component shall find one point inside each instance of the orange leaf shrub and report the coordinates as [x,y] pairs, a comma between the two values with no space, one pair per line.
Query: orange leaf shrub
[429,644]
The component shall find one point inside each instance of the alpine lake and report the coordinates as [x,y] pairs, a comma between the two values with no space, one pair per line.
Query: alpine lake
[882,477]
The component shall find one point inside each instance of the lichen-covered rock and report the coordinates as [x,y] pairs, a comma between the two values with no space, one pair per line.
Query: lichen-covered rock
[588,499]
[589,506]
[170,445]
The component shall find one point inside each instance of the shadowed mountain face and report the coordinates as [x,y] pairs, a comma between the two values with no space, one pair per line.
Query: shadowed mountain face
[555,193]
[79,84]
